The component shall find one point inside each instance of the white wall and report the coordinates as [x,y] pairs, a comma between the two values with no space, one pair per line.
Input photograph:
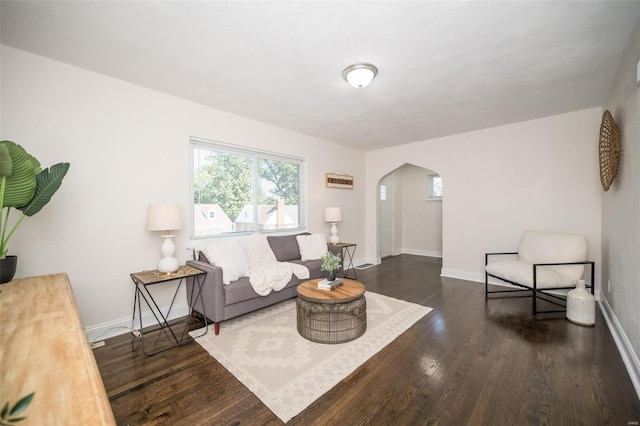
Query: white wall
[540,174]
[129,147]
[389,214]
[621,215]
[422,218]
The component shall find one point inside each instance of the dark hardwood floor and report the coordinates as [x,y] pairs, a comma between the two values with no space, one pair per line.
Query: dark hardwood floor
[467,362]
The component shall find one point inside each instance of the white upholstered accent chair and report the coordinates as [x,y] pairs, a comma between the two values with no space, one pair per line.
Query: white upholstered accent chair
[545,264]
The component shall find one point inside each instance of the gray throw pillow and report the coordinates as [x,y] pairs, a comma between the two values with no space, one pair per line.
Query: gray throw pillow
[285,247]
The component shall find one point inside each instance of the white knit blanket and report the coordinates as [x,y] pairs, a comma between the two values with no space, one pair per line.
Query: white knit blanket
[274,276]
[265,273]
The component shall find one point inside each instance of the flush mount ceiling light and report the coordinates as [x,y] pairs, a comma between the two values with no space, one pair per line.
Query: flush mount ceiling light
[359,75]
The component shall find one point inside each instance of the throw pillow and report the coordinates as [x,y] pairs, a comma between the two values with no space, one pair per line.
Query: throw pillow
[228,255]
[285,247]
[312,246]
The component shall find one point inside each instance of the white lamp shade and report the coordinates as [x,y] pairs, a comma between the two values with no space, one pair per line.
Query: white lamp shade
[333,214]
[163,217]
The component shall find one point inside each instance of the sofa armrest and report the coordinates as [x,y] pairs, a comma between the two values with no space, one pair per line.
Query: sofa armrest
[586,262]
[592,283]
[212,290]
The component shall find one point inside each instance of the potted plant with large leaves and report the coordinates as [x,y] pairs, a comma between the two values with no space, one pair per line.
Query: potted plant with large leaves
[26,187]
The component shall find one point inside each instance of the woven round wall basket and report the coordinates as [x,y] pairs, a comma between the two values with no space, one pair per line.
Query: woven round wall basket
[609,150]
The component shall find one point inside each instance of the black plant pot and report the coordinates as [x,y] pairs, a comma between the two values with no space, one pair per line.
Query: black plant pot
[331,275]
[8,268]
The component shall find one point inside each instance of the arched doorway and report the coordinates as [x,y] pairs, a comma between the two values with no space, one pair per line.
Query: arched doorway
[409,213]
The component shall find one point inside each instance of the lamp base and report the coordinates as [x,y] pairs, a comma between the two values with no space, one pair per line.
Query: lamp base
[334,239]
[168,263]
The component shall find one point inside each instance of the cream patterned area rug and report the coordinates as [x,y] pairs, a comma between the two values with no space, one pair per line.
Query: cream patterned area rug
[288,372]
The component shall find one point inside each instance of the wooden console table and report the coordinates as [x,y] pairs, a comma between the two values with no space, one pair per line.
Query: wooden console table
[44,349]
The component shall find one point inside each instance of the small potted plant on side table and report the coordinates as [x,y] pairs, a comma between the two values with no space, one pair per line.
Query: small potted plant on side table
[330,264]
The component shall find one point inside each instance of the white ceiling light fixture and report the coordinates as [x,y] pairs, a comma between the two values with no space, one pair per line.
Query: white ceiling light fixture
[360,75]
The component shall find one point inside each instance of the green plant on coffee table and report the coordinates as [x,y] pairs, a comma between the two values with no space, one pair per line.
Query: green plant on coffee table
[330,262]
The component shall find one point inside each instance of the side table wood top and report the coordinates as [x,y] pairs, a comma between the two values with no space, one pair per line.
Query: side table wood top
[348,291]
[155,276]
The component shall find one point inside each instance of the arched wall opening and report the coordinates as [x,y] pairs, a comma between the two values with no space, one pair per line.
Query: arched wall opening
[409,213]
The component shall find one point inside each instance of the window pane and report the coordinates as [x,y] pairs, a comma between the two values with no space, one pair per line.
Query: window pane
[383,192]
[236,190]
[435,186]
[223,184]
[279,189]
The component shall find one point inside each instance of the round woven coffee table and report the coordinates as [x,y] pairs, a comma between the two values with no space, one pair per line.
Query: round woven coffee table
[331,316]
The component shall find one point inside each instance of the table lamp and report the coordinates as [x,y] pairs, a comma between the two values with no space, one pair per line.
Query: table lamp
[165,217]
[333,215]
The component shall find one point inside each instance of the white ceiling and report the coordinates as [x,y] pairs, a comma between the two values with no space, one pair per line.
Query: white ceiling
[444,67]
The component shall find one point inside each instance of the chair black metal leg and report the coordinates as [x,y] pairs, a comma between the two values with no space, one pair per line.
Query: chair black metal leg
[486,277]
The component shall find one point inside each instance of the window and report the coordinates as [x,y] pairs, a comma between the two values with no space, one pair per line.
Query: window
[435,187]
[238,190]
[383,192]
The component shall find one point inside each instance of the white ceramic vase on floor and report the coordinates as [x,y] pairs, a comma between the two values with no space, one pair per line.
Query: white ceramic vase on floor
[581,305]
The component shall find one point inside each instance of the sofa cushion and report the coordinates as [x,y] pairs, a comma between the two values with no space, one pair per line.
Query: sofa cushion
[239,291]
[313,266]
[242,290]
[522,273]
[285,247]
[549,247]
[312,246]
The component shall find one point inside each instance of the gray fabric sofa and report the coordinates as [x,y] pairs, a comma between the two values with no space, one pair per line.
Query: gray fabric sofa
[222,302]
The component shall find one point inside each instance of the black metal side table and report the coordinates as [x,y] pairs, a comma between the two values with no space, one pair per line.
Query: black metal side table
[348,250]
[144,280]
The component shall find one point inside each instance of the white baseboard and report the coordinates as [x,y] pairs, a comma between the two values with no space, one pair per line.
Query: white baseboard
[363,266]
[125,325]
[471,276]
[427,253]
[360,261]
[374,261]
[462,275]
[625,348]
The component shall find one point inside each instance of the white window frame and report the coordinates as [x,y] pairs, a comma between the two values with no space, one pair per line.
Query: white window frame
[195,143]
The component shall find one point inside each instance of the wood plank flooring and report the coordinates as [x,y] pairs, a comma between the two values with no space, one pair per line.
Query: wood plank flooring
[469,362]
